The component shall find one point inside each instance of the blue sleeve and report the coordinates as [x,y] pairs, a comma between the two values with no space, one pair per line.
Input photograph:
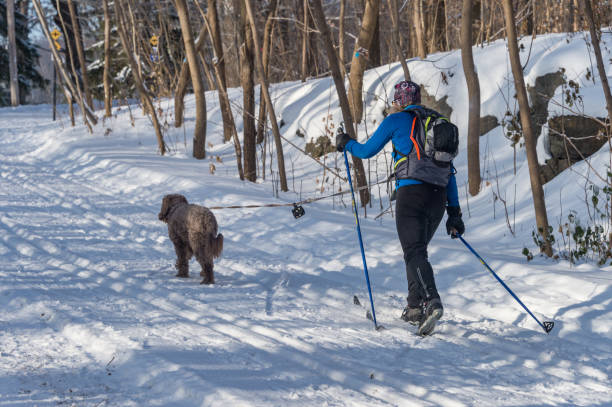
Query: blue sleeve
[381,136]
[451,191]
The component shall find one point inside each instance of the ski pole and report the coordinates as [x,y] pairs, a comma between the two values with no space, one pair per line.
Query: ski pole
[365,266]
[547,325]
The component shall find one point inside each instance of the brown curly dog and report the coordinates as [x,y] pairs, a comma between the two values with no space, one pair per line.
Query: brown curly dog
[193,230]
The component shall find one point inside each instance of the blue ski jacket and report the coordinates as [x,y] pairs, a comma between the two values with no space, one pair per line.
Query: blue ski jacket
[396,127]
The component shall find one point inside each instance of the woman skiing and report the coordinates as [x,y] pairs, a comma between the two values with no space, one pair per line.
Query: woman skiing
[425,187]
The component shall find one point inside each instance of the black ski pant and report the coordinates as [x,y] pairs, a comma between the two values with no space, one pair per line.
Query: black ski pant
[419,209]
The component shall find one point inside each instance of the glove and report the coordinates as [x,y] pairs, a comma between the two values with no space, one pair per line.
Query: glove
[341,141]
[454,223]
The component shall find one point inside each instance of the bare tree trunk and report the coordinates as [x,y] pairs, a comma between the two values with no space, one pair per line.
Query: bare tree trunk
[67,95]
[569,15]
[549,17]
[248,95]
[199,136]
[319,17]
[179,95]
[481,31]
[577,25]
[534,18]
[441,26]
[419,28]
[434,26]
[70,47]
[122,23]
[12,52]
[108,99]
[223,95]
[341,39]
[261,118]
[595,38]
[88,115]
[76,26]
[530,139]
[70,101]
[397,39]
[270,107]
[207,74]
[213,20]
[471,77]
[374,50]
[446,34]
[526,25]
[183,81]
[305,42]
[360,56]
[332,56]
[232,125]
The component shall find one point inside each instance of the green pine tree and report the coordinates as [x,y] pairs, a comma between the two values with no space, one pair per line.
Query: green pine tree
[27,58]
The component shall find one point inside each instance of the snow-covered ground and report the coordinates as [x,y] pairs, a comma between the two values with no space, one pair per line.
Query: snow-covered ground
[92,315]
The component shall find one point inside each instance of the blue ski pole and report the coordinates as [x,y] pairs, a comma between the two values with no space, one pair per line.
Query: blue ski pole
[547,325]
[365,266]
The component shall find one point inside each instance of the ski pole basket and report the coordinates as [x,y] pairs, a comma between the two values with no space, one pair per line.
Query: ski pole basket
[298,211]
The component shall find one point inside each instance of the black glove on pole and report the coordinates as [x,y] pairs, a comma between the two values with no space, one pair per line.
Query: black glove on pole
[341,140]
[454,222]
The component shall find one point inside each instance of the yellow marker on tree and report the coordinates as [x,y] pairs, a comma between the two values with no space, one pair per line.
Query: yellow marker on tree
[55,34]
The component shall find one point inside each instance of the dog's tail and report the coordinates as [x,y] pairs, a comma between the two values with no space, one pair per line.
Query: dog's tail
[216,243]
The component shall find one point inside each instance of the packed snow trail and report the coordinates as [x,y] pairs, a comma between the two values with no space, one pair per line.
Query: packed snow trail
[92,315]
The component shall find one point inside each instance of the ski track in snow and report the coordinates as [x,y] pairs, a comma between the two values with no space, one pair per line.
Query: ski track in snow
[92,315]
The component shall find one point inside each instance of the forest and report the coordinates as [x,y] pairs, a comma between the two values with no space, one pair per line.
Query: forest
[122,50]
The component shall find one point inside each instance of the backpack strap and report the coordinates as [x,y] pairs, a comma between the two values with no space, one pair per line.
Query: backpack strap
[416,145]
[416,115]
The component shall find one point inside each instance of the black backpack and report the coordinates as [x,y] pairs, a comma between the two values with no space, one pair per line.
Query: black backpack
[439,139]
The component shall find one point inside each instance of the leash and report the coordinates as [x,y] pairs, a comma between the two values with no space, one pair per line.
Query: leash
[298,210]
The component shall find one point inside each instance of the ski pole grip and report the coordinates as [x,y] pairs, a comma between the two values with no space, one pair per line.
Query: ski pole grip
[340,129]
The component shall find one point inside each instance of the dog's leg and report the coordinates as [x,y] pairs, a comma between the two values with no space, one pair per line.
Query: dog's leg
[207,266]
[207,274]
[183,254]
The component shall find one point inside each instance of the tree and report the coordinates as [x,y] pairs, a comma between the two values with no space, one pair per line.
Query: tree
[246,54]
[360,55]
[70,40]
[88,114]
[199,135]
[213,20]
[397,39]
[261,118]
[183,81]
[27,58]
[270,107]
[530,140]
[305,42]
[333,60]
[225,99]
[122,25]
[595,38]
[108,97]
[12,52]
[419,27]
[341,34]
[76,26]
[471,77]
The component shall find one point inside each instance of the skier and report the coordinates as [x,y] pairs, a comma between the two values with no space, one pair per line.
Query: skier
[423,191]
